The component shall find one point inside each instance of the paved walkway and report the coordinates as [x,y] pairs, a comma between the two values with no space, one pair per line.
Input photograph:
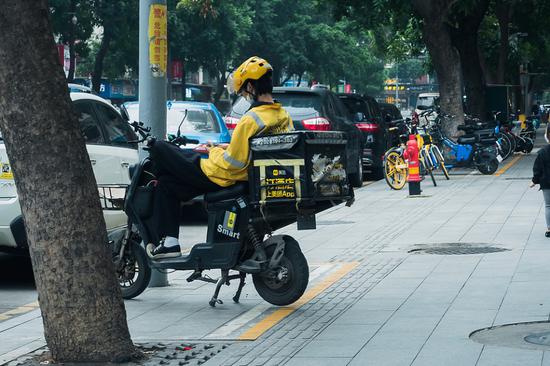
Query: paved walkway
[375,297]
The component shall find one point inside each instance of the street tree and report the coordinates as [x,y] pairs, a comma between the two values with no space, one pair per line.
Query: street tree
[82,309]
[436,34]
[72,22]
[433,16]
[214,33]
[465,20]
[117,19]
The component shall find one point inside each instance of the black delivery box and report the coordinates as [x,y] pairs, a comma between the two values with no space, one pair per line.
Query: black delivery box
[300,167]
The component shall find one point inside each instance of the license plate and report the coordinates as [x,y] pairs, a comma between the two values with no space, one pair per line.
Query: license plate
[499,158]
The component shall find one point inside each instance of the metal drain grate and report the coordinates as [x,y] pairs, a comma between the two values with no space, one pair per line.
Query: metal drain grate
[167,354]
[458,249]
[518,178]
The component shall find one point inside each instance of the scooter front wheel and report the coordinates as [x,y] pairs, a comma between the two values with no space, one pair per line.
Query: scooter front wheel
[286,283]
[133,271]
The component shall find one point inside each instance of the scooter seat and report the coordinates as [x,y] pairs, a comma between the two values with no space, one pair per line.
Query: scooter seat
[466,140]
[488,140]
[233,191]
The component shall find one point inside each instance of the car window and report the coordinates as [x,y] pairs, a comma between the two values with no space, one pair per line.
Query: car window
[425,101]
[339,107]
[375,108]
[89,126]
[356,105]
[300,106]
[197,120]
[118,131]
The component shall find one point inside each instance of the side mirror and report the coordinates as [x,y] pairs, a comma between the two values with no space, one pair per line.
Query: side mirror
[359,116]
[422,107]
[408,120]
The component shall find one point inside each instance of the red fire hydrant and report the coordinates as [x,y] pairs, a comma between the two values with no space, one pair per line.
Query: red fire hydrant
[411,155]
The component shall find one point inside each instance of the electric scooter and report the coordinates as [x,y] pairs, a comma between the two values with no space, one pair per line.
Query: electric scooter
[477,148]
[240,232]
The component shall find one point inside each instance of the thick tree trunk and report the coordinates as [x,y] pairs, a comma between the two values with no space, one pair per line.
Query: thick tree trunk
[465,39]
[99,58]
[83,312]
[445,58]
[503,11]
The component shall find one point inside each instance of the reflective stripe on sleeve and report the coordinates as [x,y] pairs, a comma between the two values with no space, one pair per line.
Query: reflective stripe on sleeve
[233,161]
[257,119]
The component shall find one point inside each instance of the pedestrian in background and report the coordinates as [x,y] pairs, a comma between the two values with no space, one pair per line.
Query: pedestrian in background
[541,176]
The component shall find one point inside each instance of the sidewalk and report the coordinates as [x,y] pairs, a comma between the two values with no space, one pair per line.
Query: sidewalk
[372,301]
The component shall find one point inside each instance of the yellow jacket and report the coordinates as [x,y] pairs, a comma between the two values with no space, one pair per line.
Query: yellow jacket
[227,166]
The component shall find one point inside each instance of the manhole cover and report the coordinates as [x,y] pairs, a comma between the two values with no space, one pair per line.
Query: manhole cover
[456,249]
[532,335]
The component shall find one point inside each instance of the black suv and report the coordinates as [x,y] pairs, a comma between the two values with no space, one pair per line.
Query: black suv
[316,110]
[369,118]
[393,118]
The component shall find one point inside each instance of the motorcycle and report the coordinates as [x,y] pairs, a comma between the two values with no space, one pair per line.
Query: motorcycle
[241,222]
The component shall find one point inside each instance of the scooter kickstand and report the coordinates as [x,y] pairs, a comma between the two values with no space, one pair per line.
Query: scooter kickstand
[219,284]
[241,285]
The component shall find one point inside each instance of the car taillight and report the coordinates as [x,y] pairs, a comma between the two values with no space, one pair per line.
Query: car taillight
[367,127]
[316,124]
[231,122]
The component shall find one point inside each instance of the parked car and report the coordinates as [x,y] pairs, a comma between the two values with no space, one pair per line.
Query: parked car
[393,118]
[315,110]
[77,88]
[369,119]
[426,101]
[202,122]
[107,136]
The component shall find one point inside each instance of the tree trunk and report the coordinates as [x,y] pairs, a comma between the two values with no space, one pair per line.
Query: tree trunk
[445,58]
[465,39]
[72,61]
[503,11]
[220,82]
[82,309]
[100,57]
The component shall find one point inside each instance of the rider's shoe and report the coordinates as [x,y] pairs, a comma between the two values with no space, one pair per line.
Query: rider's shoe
[161,251]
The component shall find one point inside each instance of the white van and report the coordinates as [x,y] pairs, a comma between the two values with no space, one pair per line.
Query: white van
[425,101]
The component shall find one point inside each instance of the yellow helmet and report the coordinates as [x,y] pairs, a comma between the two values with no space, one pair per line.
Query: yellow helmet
[252,69]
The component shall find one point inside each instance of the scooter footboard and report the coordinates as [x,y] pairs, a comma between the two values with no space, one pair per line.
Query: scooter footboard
[215,256]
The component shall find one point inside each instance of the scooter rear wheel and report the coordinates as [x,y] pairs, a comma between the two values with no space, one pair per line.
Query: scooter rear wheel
[133,272]
[528,147]
[284,291]
[488,167]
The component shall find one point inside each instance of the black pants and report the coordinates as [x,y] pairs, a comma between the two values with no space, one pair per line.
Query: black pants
[180,179]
